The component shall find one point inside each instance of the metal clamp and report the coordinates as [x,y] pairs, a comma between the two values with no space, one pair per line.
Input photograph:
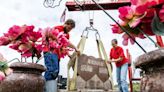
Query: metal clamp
[97,35]
[87,32]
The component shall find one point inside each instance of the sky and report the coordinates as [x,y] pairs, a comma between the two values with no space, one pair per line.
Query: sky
[32,12]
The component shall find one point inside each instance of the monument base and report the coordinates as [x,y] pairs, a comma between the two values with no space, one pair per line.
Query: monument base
[152,65]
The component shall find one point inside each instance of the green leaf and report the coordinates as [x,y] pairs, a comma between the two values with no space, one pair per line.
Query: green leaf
[157,26]
[3,66]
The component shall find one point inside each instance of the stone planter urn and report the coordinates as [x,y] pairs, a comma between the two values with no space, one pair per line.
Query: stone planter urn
[26,77]
[152,65]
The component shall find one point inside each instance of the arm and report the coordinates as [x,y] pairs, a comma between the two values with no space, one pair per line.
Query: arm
[117,60]
[74,47]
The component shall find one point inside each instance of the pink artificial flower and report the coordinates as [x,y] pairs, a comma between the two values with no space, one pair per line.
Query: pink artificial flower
[161,14]
[138,2]
[126,38]
[29,28]
[54,44]
[27,54]
[149,16]
[34,36]
[55,32]
[4,40]
[24,47]
[141,2]
[125,12]
[116,29]
[146,27]
[38,47]
[134,2]
[14,32]
[15,46]
[160,1]
[2,76]
[63,40]
[138,15]
[141,9]
[56,40]
[152,3]
[135,21]
[23,39]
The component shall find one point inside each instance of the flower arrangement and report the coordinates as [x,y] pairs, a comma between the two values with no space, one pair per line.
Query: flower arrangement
[56,40]
[141,15]
[23,39]
[31,43]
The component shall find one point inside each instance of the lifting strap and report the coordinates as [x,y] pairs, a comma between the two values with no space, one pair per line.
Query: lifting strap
[73,62]
[109,66]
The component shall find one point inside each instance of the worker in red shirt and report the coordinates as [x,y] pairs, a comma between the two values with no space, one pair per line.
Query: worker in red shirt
[52,57]
[117,56]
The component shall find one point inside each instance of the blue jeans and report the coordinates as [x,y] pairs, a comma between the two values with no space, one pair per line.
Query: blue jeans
[121,77]
[52,64]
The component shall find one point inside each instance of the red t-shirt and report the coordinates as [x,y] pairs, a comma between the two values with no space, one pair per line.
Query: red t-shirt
[61,29]
[117,52]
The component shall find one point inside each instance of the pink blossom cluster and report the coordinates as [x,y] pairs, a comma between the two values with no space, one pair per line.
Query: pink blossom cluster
[55,41]
[22,39]
[31,43]
[138,15]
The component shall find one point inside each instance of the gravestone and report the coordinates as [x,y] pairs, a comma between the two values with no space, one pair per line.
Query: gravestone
[92,73]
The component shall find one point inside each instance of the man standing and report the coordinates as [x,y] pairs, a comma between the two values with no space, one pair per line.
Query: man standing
[117,56]
[52,59]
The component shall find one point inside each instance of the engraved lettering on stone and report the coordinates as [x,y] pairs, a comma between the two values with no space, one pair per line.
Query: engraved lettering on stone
[103,70]
[96,63]
[86,68]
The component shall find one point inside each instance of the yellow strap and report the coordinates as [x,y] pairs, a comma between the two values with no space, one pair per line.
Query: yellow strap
[71,84]
[98,47]
[109,66]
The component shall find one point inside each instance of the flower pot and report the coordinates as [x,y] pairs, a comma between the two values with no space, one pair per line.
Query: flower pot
[26,77]
[152,65]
